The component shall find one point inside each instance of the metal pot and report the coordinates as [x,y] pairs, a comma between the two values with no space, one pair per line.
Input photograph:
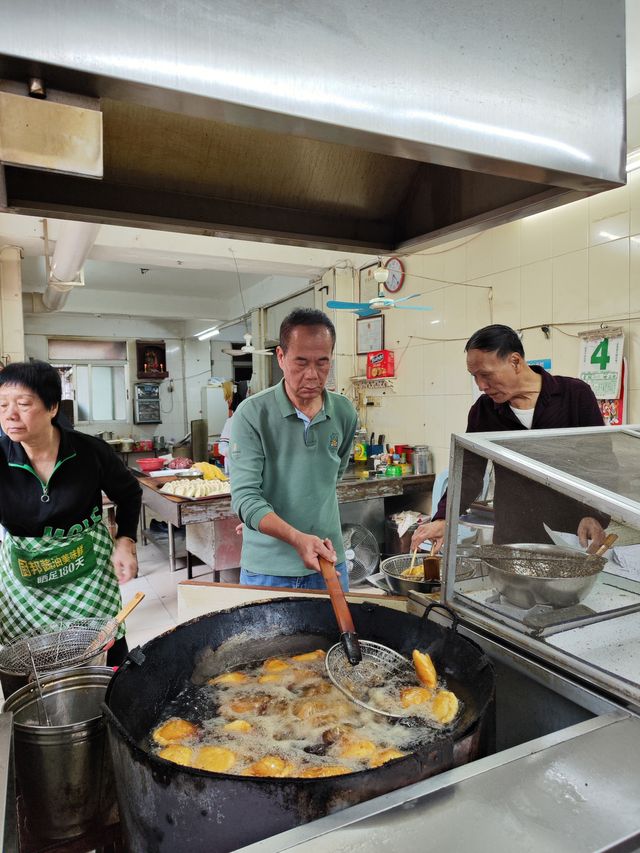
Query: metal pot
[468,563]
[167,807]
[530,574]
[63,771]
[392,569]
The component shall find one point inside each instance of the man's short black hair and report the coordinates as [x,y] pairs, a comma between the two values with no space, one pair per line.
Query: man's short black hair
[499,339]
[304,317]
[37,376]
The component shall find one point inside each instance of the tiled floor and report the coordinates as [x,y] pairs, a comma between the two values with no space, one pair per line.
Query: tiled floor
[158,611]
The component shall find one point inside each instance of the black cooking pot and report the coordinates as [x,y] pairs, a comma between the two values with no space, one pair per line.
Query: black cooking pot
[168,807]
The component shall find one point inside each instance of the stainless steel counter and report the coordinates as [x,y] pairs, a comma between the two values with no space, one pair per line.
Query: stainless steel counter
[575,790]
[563,778]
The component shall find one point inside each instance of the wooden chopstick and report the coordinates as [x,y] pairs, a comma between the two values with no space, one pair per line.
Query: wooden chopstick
[608,542]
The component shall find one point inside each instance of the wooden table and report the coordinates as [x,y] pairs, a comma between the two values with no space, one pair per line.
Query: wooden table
[178,512]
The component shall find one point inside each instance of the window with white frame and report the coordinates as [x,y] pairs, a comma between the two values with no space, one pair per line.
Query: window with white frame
[95,376]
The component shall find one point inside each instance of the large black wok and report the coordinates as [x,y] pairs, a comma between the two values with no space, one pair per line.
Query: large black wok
[168,807]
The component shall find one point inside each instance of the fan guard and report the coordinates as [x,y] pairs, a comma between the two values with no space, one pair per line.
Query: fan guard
[361,552]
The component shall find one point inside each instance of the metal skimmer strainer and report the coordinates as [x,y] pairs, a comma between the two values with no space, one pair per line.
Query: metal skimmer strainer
[379,666]
[361,669]
[57,646]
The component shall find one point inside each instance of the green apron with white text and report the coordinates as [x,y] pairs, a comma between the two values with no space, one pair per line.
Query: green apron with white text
[46,579]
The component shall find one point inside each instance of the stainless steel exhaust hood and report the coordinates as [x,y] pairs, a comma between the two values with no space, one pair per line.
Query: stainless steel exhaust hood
[363,125]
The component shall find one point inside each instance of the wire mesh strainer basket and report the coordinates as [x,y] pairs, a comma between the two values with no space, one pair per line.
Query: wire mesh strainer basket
[541,561]
[367,684]
[57,646]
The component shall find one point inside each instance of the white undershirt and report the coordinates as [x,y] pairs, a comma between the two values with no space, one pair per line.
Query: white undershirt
[525,416]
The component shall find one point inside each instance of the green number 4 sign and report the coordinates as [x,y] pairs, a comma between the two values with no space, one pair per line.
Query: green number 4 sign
[600,355]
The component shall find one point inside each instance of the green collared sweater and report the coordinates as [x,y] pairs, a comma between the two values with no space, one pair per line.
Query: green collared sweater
[276,467]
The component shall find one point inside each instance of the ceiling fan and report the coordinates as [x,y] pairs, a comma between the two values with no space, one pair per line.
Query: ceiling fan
[379,302]
[247,349]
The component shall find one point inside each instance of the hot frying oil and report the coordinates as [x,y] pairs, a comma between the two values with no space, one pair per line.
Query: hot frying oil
[284,717]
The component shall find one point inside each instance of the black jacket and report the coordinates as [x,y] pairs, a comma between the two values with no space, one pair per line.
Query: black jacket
[86,467]
[521,505]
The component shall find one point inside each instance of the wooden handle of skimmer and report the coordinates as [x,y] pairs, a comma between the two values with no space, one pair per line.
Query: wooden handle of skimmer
[126,610]
[336,594]
[348,636]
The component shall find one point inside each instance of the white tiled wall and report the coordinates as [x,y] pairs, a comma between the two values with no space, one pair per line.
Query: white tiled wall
[569,268]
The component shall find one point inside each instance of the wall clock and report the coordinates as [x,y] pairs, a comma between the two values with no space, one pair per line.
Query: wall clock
[394,282]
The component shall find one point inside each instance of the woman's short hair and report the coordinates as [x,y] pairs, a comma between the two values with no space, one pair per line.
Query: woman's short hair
[502,340]
[38,376]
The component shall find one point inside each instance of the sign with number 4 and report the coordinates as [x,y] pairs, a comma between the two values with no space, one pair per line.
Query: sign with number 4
[601,365]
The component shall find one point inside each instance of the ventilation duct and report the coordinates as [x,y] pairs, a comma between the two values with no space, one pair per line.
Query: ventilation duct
[75,240]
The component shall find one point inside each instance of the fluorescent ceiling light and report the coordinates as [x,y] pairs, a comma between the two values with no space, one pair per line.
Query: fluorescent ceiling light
[208,333]
[609,236]
[633,160]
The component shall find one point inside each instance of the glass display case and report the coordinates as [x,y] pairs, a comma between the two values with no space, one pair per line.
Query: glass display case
[533,585]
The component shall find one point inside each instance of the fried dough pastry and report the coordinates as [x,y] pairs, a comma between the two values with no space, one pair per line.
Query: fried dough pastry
[385,755]
[271,678]
[425,670]
[358,749]
[414,696]
[319,654]
[271,765]
[241,726]
[275,665]
[317,688]
[177,753]
[324,770]
[307,708]
[230,678]
[298,675]
[216,759]
[174,730]
[336,734]
[444,706]
[249,704]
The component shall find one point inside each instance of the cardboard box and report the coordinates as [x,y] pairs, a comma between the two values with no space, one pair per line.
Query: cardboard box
[380,364]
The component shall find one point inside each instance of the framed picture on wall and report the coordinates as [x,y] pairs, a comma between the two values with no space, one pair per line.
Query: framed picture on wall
[369,334]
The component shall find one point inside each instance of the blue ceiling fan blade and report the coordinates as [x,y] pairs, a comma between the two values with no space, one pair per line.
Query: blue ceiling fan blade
[413,307]
[404,298]
[353,305]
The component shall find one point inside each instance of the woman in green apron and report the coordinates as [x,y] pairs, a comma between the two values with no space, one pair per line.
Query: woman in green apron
[57,559]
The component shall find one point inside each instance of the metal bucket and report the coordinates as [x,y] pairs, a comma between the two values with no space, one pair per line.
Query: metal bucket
[63,771]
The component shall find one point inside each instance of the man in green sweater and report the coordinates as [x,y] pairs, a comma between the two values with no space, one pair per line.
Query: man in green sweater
[289,447]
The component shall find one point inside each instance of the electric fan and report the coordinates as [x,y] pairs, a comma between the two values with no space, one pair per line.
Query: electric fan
[361,552]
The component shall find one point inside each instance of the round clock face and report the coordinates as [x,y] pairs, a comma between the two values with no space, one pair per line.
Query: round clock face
[396,275]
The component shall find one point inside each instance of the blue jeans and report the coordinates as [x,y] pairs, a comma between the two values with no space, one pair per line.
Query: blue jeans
[314,581]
